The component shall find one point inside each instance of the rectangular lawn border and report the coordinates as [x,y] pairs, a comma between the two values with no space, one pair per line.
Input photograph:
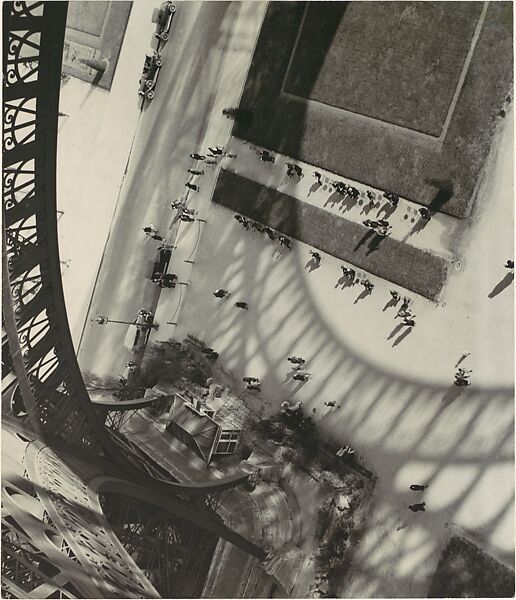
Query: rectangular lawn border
[443,173]
[412,268]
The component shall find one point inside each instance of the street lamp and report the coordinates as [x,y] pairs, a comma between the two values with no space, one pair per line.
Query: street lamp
[102,320]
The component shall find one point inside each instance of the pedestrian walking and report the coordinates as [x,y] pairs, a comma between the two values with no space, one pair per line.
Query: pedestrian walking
[290,169]
[461,381]
[464,373]
[395,296]
[195,172]
[192,186]
[284,241]
[425,213]
[509,264]
[257,227]
[242,305]
[150,229]
[217,150]
[266,156]
[221,293]
[298,170]
[296,360]
[409,322]
[302,376]
[186,218]
[177,204]
[348,273]
[315,255]
[345,450]
[331,404]
[317,176]
[370,195]
[405,304]
[197,156]
[415,487]
[270,233]
[417,507]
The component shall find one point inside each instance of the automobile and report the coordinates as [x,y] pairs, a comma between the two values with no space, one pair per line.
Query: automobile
[165,280]
[161,262]
[163,16]
[151,68]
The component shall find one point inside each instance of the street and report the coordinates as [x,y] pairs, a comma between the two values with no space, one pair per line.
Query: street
[172,126]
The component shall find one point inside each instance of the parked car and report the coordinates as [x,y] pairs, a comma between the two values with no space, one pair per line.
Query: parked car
[165,280]
[151,68]
[163,16]
[161,262]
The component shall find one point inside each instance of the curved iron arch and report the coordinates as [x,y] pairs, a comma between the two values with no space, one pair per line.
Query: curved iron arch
[44,361]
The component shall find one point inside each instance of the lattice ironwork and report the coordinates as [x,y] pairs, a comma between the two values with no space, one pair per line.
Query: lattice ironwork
[173,553]
[40,352]
[24,565]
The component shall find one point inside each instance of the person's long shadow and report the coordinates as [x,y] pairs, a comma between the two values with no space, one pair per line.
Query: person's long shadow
[501,285]
[395,331]
[314,188]
[367,208]
[344,282]
[418,226]
[368,235]
[333,199]
[363,295]
[375,243]
[402,336]
[347,203]
[312,264]
[392,302]
[452,394]
[443,195]
[290,375]
[387,209]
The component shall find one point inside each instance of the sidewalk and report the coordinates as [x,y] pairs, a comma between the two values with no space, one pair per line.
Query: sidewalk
[237,62]
[437,234]
[94,144]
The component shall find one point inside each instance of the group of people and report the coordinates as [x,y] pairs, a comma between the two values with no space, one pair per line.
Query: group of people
[249,224]
[462,377]
[351,276]
[345,190]
[301,373]
[381,227]
[404,312]
[417,506]
[293,169]
[152,232]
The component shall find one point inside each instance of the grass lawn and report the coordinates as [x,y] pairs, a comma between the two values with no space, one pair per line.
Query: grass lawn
[409,267]
[354,56]
[464,571]
[382,73]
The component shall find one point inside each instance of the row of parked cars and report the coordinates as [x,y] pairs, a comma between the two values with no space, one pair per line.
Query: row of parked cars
[163,17]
